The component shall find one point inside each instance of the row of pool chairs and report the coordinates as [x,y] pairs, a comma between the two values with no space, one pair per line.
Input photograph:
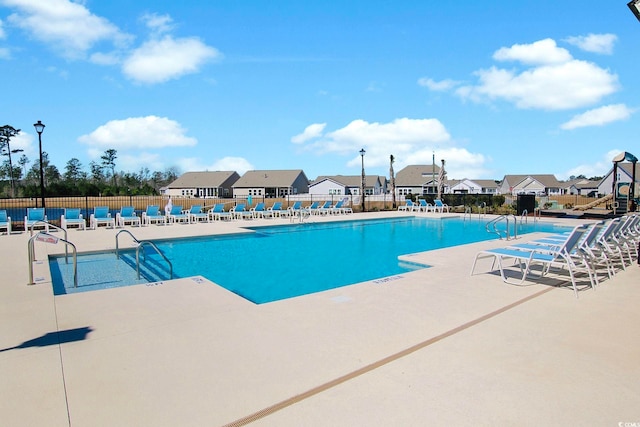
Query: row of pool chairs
[36,218]
[423,206]
[589,250]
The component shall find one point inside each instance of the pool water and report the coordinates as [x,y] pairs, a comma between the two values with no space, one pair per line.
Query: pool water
[280,262]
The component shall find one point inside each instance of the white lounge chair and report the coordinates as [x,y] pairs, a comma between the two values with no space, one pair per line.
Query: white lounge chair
[217,212]
[564,255]
[36,218]
[72,218]
[5,221]
[127,215]
[152,215]
[101,215]
[195,214]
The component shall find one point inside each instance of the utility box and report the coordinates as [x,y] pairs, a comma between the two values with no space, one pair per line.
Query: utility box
[526,202]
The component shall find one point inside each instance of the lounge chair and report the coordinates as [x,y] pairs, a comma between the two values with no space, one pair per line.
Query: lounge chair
[425,207]
[101,215]
[36,217]
[260,211]
[127,215]
[195,214]
[217,213]
[295,208]
[276,209]
[153,216]
[5,221]
[438,206]
[240,212]
[324,209]
[564,255]
[177,215]
[72,218]
[313,207]
[408,206]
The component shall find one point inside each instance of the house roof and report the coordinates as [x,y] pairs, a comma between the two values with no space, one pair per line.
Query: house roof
[416,175]
[351,180]
[548,180]
[270,178]
[202,179]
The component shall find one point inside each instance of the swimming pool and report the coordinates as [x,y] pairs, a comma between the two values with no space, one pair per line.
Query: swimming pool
[285,261]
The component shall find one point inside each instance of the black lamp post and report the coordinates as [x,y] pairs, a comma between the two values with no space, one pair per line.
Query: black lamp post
[40,128]
[362,152]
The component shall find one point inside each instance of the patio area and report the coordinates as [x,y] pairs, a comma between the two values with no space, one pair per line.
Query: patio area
[431,347]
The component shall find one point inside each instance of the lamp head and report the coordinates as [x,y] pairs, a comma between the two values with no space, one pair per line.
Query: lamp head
[39,126]
[362,151]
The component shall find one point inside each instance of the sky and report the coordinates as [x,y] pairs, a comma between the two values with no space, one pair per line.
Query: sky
[492,88]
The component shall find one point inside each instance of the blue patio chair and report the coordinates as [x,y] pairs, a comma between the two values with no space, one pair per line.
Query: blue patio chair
[217,212]
[36,218]
[195,214]
[408,206]
[295,208]
[101,215]
[276,209]
[177,215]
[313,207]
[153,216]
[260,211]
[240,212]
[438,206]
[72,218]
[127,215]
[5,221]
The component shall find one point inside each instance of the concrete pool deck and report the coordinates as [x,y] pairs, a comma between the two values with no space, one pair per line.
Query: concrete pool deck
[430,347]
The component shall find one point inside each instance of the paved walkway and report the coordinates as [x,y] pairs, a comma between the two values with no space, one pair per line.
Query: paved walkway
[434,347]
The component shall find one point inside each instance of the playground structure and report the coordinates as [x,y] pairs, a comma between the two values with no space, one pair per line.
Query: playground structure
[624,193]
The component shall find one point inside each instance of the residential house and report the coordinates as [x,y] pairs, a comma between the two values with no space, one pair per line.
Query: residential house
[530,184]
[416,179]
[271,183]
[581,186]
[348,185]
[203,184]
[475,186]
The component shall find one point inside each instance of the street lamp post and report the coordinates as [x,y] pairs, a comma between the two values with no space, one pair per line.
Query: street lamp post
[40,128]
[362,152]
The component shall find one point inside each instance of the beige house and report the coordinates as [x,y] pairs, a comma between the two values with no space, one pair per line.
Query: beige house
[271,183]
[203,184]
[416,179]
[530,184]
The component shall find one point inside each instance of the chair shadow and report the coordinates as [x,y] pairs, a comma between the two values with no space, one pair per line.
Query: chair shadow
[54,338]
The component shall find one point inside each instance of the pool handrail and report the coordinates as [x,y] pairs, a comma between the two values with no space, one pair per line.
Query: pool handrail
[139,244]
[55,240]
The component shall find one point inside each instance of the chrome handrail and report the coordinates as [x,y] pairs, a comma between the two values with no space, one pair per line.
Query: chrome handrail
[118,234]
[506,217]
[54,240]
[159,252]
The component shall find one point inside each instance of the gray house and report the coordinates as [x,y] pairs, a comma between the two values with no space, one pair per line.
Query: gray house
[545,184]
[271,183]
[203,184]
[416,179]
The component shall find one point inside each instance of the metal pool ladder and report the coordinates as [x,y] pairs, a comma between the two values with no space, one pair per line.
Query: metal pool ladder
[140,244]
[507,231]
[48,238]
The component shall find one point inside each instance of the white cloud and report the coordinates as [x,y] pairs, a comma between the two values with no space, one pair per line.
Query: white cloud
[158,24]
[553,85]
[441,86]
[599,117]
[139,133]
[596,43]
[310,132]
[238,164]
[541,52]
[411,141]
[157,61]
[66,26]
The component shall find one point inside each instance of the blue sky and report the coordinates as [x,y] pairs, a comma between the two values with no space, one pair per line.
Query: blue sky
[493,88]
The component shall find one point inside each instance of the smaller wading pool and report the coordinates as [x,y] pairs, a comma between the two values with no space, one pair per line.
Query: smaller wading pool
[282,261]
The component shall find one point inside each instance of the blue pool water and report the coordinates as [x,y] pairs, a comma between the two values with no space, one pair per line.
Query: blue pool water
[284,261]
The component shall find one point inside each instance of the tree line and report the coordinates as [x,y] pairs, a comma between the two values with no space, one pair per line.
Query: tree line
[17,179]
